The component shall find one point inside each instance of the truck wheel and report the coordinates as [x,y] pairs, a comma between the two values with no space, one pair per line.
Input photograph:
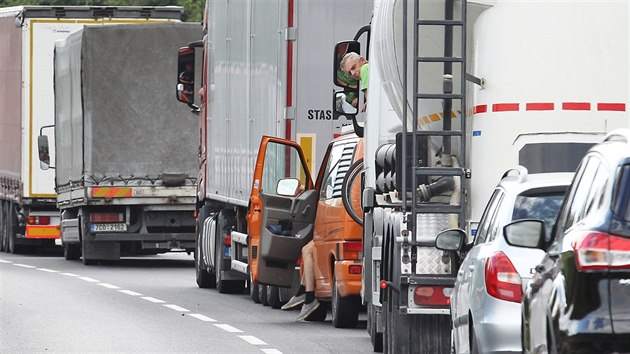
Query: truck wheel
[203,278]
[262,294]
[253,292]
[4,242]
[84,232]
[273,297]
[11,222]
[345,310]
[375,337]
[225,222]
[71,251]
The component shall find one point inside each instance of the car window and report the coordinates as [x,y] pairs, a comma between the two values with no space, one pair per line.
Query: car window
[577,207]
[542,206]
[621,207]
[488,217]
[338,163]
[598,188]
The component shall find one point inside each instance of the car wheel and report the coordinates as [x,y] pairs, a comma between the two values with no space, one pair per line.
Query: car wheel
[345,310]
[474,345]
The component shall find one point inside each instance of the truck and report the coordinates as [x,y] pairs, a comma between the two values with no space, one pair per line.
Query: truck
[460,91]
[125,167]
[264,75]
[29,216]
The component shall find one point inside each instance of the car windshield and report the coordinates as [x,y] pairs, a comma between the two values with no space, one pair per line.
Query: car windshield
[541,206]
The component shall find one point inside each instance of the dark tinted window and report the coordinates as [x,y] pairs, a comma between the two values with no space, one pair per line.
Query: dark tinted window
[552,157]
[542,206]
[621,206]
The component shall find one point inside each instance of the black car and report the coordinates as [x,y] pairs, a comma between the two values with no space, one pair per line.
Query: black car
[579,298]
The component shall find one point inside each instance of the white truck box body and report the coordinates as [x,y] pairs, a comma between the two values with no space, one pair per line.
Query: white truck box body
[255,90]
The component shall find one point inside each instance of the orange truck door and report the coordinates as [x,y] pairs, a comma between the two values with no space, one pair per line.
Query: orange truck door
[282,209]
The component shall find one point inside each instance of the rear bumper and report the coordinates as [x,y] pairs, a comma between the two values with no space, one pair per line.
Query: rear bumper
[348,284]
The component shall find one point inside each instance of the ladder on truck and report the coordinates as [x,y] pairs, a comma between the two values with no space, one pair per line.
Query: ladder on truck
[452,96]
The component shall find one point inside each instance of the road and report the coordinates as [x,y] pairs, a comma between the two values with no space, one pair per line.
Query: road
[146,304]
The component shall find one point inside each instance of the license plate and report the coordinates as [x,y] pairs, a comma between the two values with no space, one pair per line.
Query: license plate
[108,227]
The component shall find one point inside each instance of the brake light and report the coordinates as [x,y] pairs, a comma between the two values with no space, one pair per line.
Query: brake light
[432,295]
[502,279]
[354,269]
[38,220]
[352,250]
[107,217]
[601,251]
[227,240]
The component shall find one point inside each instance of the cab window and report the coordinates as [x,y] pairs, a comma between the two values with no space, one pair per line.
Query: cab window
[282,161]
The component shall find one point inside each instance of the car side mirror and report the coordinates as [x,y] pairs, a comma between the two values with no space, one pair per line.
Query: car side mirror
[528,233]
[288,187]
[44,152]
[451,240]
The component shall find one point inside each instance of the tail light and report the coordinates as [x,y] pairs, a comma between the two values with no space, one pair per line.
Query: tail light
[601,251]
[502,279]
[227,240]
[352,250]
[107,217]
[432,295]
[354,269]
[38,220]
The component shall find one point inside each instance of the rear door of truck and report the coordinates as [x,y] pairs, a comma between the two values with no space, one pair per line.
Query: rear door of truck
[282,209]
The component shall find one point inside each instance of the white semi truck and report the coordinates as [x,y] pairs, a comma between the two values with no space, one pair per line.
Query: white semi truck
[265,73]
[125,158]
[458,93]
[28,211]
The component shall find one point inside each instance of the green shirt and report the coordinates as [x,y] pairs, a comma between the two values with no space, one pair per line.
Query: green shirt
[349,80]
[364,77]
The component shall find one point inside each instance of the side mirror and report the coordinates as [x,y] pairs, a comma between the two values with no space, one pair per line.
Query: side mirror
[288,187]
[528,233]
[451,240]
[44,152]
[346,103]
[185,89]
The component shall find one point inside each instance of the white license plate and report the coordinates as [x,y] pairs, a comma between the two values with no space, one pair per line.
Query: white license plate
[108,227]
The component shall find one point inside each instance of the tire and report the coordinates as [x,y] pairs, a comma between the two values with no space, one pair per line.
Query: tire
[254,292]
[4,242]
[202,277]
[71,251]
[345,310]
[11,222]
[273,297]
[226,220]
[262,294]
[474,344]
[375,337]
[353,172]
[84,232]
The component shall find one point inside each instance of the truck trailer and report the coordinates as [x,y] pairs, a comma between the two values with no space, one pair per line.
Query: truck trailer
[459,92]
[28,211]
[125,150]
[264,74]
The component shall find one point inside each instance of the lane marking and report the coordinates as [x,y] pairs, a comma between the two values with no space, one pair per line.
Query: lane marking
[88,279]
[176,308]
[71,274]
[228,328]
[108,286]
[271,351]
[152,299]
[202,317]
[23,265]
[252,340]
[3,261]
[129,292]
[47,270]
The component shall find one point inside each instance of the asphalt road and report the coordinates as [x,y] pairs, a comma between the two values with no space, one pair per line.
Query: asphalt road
[146,304]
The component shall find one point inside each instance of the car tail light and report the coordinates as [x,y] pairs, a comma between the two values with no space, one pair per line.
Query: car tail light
[601,251]
[352,250]
[38,220]
[354,269]
[502,279]
[227,240]
[107,217]
[432,295]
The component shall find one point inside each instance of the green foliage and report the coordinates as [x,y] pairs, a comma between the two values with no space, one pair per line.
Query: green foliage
[193,9]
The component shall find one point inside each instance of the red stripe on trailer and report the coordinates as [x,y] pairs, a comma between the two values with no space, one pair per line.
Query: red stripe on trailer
[482,108]
[576,106]
[289,102]
[539,106]
[505,107]
[619,107]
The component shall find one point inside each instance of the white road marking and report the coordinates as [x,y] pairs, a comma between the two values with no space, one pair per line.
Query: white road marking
[202,317]
[252,340]
[228,328]
[177,308]
[47,270]
[71,274]
[88,279]
[129,292]
[23,265]
[152,299]
[3,261]
[271,351]
[108,286]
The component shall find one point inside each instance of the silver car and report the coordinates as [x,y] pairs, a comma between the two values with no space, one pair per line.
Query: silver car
[486,299]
